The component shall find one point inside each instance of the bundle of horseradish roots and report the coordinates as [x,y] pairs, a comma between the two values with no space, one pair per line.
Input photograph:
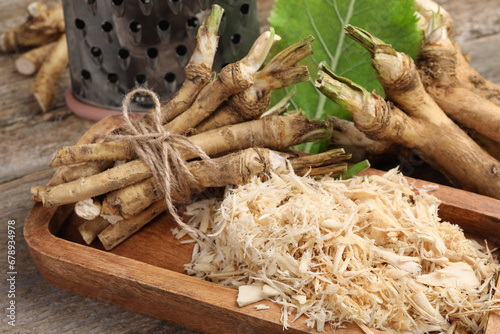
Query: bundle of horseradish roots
[213,132]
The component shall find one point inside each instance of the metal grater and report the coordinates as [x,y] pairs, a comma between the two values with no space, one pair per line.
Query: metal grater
[116,45]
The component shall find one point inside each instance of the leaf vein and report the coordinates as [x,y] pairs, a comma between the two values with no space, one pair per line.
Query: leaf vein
[350,69]
[359,12]
[334,61]
[338,13]
[317,32]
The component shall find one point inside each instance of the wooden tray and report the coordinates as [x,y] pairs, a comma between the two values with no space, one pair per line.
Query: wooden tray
[145,273]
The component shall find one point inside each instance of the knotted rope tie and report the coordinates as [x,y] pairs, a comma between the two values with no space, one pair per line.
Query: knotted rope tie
[161,150]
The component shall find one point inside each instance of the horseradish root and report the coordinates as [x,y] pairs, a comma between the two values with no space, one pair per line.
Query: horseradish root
[88,209]
[436,18]
[437,63]
[91,228]
[232,169]
[43,25]
[149,164]
[275,132]
[346,135]
[440,86]
[92,186]
[426,130]
[43,31]
[46,79]
[131,188]
[31,61]
[198,69]
[251,103]
[113,235]
[398,75]
[232,79]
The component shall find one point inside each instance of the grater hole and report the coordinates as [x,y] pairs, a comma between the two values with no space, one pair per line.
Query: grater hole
[245,9]
[95,51]
[146,2]
[140,79]
[236,38]
[174,1]
[192,22]
[170,77]
[135,27]
[85,74]
[117,2]
[152,53]
[89,2]
[107,26]
[163,25]
[181,50]
[123,53]
[80,24]
[112,77]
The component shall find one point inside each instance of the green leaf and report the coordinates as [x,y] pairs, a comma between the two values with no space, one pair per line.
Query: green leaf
[393,21]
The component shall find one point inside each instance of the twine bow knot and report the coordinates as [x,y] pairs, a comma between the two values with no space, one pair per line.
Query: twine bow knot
[161,150]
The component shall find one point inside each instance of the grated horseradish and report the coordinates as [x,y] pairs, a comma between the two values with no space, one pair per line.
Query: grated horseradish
[369,250]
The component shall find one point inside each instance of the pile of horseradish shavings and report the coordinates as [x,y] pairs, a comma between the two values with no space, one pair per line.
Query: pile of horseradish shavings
[369,250]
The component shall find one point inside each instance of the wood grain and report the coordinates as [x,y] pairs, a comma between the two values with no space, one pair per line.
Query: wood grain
[30,144]
[46,309]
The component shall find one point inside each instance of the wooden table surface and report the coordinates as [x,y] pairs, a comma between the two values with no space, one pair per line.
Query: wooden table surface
[28,138]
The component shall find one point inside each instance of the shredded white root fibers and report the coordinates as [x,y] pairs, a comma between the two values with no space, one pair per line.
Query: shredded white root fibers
[370,250]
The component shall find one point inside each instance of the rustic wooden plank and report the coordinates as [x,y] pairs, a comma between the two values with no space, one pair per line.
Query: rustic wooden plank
[30,144]
[484,56]
[16,102]
[16,195]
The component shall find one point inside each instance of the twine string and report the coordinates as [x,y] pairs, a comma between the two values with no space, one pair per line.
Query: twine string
[161,150]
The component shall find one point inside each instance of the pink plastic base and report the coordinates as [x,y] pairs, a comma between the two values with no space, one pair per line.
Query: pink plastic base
[88,111]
